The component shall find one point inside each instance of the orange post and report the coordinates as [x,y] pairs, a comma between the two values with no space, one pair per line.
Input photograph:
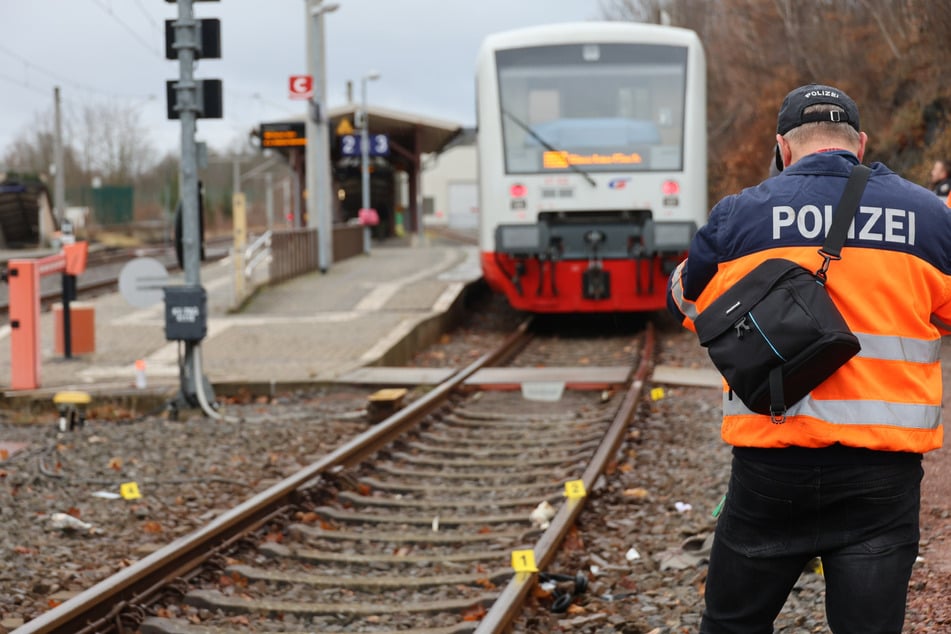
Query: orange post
[24,279]
[75,254]
[82,328]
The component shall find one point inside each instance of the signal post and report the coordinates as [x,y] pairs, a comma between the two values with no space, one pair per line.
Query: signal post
[187,40]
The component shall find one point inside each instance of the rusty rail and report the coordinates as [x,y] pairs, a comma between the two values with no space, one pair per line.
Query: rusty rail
[98,608]
[507,606]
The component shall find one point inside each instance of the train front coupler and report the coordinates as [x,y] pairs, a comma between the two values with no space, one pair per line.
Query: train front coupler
[595,281]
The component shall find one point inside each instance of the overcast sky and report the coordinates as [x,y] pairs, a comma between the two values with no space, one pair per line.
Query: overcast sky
[112,51]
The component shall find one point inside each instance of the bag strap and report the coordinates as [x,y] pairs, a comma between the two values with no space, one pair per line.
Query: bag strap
[777,399]
[842,218]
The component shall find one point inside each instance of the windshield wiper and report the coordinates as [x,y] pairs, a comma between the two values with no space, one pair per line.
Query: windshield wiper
[548,146]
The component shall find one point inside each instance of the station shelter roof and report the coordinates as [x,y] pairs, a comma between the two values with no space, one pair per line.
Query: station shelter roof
[433,134]
[410,134]
[409,137]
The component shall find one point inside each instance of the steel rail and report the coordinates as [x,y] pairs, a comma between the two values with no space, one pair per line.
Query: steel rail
[509,603]
[94,609]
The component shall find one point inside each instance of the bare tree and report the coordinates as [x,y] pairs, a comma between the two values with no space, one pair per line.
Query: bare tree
[32,151]
[112,141]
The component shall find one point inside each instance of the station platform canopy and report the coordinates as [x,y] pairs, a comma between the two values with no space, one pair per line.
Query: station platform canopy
[412,134]
[418,133]
[409,136]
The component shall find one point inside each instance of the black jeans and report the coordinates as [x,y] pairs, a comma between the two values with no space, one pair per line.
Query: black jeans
[861,520]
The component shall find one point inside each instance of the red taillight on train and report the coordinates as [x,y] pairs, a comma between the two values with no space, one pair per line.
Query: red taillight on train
[670,188]
[518,190]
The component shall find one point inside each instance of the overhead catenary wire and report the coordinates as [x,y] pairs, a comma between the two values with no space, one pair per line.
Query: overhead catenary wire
[23,84]
[61,80]
[151,47]
[148,16]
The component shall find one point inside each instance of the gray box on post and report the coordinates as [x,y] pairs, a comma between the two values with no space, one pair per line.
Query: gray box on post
[186,313]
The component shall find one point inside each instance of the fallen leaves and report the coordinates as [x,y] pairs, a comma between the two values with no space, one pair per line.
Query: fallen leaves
[574,542]
[274,537]
[308,517]
[637,493]
[475,613]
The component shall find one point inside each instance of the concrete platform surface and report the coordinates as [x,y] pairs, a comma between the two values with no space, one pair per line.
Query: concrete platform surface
[373,309]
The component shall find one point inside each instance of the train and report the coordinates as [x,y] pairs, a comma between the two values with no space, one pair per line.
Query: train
[592,163]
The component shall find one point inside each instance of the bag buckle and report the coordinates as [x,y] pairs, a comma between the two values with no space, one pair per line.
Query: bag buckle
[777,417]
[742,327]
[827,258]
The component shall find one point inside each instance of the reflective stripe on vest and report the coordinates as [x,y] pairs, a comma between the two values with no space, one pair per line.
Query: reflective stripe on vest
[688,308]
[851,412]
[890,348]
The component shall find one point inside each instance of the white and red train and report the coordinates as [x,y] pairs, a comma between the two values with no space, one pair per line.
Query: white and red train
[592,163]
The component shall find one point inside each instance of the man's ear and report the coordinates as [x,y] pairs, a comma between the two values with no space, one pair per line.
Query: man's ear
[783,153]
[863,141]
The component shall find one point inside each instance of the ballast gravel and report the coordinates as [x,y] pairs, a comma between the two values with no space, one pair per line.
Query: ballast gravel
[78,506]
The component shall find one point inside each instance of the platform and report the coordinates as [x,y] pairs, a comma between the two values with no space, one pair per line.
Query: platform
[374,309]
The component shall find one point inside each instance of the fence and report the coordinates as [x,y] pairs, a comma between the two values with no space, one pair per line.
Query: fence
[293,252]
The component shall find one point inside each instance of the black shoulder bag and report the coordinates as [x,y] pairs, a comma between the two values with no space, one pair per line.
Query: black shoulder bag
[776,335]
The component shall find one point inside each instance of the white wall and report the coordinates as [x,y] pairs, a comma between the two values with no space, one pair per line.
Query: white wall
[455,166]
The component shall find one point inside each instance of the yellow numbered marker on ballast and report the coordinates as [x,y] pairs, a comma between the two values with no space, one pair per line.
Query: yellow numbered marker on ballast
[524,561]
[574,489]
[129,490]
[657,393]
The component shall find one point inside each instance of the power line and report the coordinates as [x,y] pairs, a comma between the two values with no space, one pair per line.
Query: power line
[60,79]
[148,45]
[23,84]
[148,16]
[257,97]
[30,64]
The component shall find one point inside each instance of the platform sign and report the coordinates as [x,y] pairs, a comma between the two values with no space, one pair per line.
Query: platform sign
[141,282]
[350,145]
[283,135]
[300,87]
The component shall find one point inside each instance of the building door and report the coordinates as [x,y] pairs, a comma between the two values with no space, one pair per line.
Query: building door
[463,205]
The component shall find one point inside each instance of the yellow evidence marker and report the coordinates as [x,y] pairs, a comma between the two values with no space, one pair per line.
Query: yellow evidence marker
[129,490]
[524,561]
[574,489]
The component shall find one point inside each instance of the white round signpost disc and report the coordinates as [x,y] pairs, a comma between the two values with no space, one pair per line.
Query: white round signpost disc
[141,282]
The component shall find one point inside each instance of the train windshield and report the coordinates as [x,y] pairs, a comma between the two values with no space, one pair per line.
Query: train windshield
[592,107]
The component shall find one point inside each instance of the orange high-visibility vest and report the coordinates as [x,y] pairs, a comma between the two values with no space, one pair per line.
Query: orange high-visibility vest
[892,287]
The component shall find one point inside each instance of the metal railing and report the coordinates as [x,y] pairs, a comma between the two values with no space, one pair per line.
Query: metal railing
[256,254]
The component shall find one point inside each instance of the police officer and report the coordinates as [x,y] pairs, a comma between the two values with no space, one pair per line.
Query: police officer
[839,479]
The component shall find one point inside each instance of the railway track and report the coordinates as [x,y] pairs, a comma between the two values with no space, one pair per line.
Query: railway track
[421,524]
